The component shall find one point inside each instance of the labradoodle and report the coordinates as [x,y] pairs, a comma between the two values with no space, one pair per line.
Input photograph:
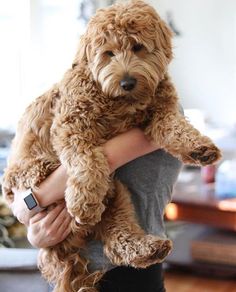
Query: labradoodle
[118,80]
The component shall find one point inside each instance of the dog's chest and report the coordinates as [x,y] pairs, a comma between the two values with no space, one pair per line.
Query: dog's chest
[115,121]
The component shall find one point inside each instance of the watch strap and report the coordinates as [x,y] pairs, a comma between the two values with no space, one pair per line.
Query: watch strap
[32,202]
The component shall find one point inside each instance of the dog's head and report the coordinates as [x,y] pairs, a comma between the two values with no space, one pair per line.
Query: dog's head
[127,48]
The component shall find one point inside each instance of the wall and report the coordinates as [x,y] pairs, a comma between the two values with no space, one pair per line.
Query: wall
[204,68]
[39,43]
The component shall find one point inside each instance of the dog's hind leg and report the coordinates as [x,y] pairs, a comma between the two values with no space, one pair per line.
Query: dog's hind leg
[125,242]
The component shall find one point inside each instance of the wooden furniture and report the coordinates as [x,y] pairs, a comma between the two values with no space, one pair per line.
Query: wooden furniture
[179,281]
[195,202]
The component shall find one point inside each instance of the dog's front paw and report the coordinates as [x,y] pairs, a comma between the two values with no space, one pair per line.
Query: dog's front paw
[89,214]
[203,155]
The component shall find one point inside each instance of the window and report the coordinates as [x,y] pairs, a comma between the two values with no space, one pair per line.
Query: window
[38,42]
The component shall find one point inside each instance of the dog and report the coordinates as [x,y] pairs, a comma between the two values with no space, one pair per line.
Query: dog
[117,81]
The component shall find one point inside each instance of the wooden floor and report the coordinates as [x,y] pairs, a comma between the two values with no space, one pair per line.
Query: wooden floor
[184,282]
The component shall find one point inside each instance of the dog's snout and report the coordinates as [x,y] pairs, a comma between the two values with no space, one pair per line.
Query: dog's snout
[128,83]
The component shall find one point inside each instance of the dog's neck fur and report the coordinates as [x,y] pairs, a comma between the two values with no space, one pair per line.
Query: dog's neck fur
[110,116]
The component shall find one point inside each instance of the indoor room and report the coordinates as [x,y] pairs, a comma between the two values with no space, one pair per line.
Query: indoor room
[122,174]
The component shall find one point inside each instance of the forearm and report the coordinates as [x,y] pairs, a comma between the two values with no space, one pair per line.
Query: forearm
[118,150]
[127,147]
[52,188]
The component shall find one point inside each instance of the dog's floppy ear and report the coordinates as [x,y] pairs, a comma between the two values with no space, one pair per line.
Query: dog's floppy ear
[163,39]
[82,52]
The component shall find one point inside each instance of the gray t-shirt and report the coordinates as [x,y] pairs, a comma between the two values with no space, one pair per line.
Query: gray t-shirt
[150,179]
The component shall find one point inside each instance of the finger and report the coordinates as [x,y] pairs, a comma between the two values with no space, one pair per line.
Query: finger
[53,214]
[62,216]
[59,239]
[65,225]
[66,233]
[65,228]
[37,217]
[60,233]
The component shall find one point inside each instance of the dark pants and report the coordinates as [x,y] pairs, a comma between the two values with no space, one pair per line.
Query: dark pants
[127,279]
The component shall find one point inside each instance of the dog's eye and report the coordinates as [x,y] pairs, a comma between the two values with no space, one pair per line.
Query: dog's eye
[137,48]
[110,53]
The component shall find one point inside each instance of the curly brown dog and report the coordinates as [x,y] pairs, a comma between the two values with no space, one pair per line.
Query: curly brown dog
[118,81]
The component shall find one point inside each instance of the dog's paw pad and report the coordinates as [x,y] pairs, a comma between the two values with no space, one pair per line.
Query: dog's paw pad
[163,251]
[205,155]
[154,252]
[197,153]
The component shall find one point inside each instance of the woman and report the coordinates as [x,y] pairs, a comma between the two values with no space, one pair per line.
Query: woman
[149,174]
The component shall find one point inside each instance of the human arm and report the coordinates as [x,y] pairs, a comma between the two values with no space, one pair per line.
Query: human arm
[150,180]
[118,150]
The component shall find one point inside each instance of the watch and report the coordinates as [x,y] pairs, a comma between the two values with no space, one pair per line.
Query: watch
[31,202]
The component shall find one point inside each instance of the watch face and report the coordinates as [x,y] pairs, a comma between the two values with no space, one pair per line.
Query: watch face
[30,202]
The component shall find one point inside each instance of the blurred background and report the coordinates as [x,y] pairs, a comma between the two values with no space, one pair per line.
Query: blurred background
[39,39]
[38,42]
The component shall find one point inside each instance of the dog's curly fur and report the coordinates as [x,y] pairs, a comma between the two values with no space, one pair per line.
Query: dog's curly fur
[68,125]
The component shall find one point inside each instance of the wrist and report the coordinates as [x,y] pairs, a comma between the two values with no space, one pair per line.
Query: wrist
[52,188]
[31,202]
[39,197]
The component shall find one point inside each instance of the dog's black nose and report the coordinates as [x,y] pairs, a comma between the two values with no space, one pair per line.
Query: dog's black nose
[128,83]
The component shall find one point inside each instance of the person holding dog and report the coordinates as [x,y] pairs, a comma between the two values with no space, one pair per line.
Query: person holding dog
[117,81]
[148,172]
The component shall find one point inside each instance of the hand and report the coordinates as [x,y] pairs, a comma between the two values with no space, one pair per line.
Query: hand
[19,208]
[48,228]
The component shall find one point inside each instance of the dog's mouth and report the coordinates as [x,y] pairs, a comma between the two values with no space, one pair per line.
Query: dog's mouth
[126,98]
[130,99]
[133,103]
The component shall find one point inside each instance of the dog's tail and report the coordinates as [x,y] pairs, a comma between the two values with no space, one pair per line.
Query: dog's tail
[64,267]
